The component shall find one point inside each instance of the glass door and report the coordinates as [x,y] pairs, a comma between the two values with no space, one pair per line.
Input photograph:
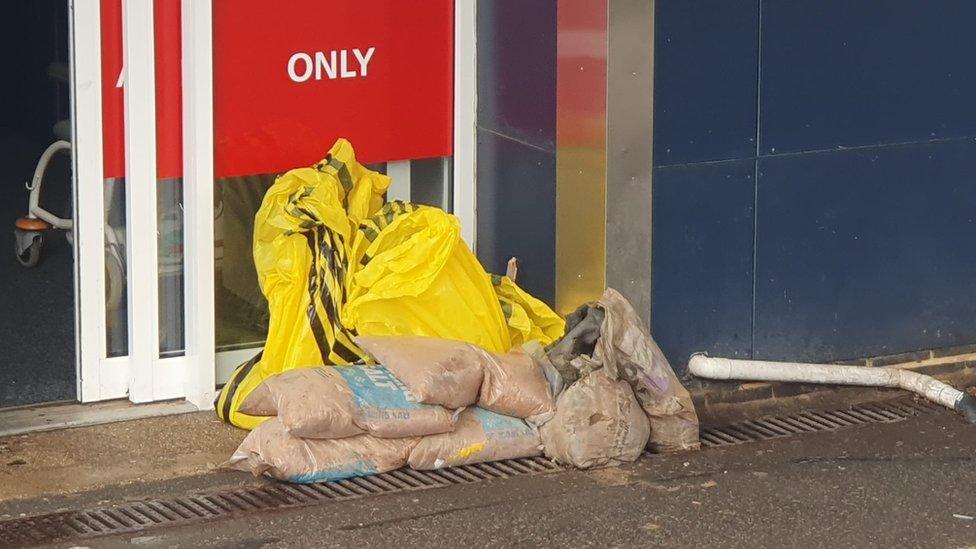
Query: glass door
[185,116]
[135,225]
[99,156]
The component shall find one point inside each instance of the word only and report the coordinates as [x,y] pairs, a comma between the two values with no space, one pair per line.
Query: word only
[302,66]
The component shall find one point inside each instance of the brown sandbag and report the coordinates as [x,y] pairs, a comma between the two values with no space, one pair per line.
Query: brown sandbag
[344,401]
[480,436]
[514,385]
[436,371]
[612,337]
[628,352]
[259,402]
[597,421]
[270,450]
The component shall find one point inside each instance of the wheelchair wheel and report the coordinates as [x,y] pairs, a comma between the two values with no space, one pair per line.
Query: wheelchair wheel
[114,281]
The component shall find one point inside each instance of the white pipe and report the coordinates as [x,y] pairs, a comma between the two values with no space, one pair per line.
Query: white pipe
[834,374]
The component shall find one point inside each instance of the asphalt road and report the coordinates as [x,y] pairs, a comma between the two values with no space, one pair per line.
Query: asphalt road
[908,484]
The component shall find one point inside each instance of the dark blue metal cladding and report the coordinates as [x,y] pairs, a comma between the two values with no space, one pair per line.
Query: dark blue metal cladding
[843,73]
[866,252]
[702,283]
[517,211]
[517,70]
[858,251]
[517,140]
[705,102]
[705,80]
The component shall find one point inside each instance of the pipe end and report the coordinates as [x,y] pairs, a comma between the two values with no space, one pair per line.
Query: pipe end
[707,367]
[695,361]
[967,407]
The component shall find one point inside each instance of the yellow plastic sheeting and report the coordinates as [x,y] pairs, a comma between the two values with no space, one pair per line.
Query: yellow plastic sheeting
[528,318]
[333,261]
[418,278]
[300,252]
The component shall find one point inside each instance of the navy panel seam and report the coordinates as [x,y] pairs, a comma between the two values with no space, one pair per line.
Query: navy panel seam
[516,140]
[755,177]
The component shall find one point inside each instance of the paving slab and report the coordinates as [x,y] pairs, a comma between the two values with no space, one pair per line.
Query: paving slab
[73,460]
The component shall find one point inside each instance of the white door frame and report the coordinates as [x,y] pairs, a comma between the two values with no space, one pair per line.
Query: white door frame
[99,378]
[191,376]
[466,117]
[198,188]
[141,375]
[138,46]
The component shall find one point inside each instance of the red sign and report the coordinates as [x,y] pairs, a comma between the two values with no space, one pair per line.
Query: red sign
[167,27]
[113,102]
[289,79]
[169,105]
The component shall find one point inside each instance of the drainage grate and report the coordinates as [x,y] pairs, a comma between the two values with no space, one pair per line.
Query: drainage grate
[811,422]
[138,516]
[143,515]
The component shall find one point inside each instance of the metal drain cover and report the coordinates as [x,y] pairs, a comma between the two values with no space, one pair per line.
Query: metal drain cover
[178,511]
[811,422]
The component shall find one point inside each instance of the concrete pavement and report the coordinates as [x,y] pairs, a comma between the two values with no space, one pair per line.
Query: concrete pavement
[906,484]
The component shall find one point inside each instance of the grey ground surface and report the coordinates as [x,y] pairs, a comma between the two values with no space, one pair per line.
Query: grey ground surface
[895,485]
[37,327]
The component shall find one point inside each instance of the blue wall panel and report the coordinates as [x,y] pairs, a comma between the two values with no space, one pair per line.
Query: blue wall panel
[702,259]
[517,69]
[866,252]
[517,211]
[866,177]
[705,80]
[517,140]
[849,73]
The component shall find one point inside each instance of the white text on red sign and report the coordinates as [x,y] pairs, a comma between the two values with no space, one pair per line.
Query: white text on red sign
[303,67]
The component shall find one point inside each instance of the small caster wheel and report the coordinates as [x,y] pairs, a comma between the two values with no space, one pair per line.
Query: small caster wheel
[27,248]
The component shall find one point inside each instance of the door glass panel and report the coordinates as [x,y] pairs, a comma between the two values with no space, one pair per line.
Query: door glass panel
[242,312]
[169,171]
[113,153]
[169,226]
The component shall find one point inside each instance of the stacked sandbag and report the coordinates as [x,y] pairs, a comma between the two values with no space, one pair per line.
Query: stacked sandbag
[598,421]
[609,336]
[270,450]
[455,374]
[343,401]
[506,388]
[629,353]
[515,385]
[480,436]
[436,371]
[338,422]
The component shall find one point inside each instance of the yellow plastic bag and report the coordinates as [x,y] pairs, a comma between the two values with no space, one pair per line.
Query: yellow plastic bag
[335,262]
[300,252]
[419,278]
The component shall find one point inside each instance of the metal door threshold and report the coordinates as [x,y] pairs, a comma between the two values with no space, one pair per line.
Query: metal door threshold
[178,511]
[35,419]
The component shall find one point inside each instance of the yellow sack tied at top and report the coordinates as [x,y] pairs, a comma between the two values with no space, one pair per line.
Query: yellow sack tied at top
[334,262]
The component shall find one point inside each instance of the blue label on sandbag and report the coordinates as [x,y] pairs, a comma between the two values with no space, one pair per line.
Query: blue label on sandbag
[499,427]
[359,468]
[377,387]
